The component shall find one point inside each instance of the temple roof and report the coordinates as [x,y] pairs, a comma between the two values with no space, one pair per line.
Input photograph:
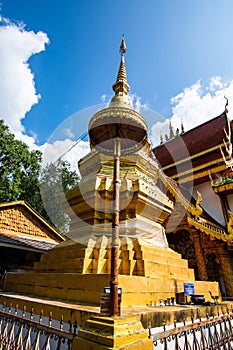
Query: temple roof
[191,155]
[25,243]
[22,227]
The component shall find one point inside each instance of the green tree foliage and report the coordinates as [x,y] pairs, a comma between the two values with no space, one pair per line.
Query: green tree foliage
[19,169]
[23,178]
[55,180]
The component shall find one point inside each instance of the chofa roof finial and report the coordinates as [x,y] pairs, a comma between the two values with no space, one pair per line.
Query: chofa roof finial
[226,105]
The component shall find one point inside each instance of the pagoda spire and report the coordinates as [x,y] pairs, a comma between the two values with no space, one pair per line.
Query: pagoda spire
[121,87]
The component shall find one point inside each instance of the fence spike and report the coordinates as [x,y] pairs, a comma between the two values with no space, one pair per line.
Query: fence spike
[199,314]
[149,329]
[32,313]
[192,316]
[24,311]
[184,318]
[41,316]
[164,324]
[16,309]
[61,323]
[50,318]
[10,307]
[75,326]
[212,313]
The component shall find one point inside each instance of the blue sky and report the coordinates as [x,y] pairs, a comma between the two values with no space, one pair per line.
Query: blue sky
[179,61]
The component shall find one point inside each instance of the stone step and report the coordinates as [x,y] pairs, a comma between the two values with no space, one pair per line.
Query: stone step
[164,259]
[160,266]
[126,267]
[81,252]
[87,288]
[86,253]
[113,333]
[78,265]
[84,266]
[149,252]
[68,253]
[156,269]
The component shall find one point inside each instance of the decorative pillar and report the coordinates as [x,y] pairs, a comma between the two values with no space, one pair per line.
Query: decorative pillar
[115,230]
[227,271]
[200,258]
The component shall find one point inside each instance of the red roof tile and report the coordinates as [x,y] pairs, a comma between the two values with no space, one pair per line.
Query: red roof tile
[194,141]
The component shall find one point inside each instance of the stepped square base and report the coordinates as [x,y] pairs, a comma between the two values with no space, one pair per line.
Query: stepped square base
[136,290]
[79,273]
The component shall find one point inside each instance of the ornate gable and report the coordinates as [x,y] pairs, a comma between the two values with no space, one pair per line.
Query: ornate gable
[18,218]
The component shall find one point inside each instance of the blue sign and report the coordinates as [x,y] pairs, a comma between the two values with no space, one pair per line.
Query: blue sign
[188,289]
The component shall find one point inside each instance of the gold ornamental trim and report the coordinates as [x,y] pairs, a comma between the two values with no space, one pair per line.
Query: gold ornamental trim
[199,175]
[196,155]
[196,211]
[117,115]
[196,172]
[211,230]
[223,187]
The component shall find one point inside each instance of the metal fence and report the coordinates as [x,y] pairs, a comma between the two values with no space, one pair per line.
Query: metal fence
[22,330]
[211,332]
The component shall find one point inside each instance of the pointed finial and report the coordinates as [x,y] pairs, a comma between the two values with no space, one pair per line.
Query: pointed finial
[123,45]
[171,135]
[226,105]
[161,138]
[182,127]
[121,87]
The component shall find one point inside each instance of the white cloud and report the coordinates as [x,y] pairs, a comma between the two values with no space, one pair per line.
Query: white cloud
[17,86]
[215,82]
[197,104]
[137,103]
[194,105]
[103,98]
[29,140]
[67,149]
[69,133]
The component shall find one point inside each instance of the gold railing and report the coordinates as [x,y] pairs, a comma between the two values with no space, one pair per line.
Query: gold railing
[210,229]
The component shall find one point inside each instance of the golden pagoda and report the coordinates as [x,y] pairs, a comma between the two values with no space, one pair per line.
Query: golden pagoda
[148,270]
